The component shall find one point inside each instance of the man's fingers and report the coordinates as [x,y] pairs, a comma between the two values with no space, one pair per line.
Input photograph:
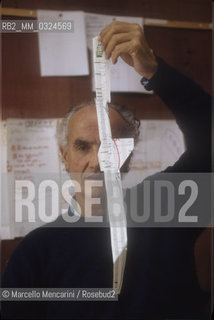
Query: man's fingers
[117,33]
[120,49]
[115,26]
[115,40]
[105,39]
[127,41]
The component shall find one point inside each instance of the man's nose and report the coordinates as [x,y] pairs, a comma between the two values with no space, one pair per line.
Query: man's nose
[94,162]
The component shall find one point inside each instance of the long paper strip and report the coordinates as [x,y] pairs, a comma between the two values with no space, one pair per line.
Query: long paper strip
[112,154]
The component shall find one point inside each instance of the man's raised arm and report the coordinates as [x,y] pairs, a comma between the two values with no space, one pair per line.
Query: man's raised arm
[190,105]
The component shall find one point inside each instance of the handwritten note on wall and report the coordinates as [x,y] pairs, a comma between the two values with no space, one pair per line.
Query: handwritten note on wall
[32,154]
[32,146]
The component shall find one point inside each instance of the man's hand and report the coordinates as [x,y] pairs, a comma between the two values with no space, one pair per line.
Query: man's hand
[127,40]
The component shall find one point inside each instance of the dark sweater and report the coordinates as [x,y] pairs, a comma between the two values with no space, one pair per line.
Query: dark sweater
[160,279]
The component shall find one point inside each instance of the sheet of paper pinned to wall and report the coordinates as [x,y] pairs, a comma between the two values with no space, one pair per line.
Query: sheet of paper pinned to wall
[160,145]
[123,77]
[4,217]
[32,155]
[63,53]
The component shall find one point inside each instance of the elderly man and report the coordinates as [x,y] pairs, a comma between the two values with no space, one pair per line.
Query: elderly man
[160,279]
[78,139]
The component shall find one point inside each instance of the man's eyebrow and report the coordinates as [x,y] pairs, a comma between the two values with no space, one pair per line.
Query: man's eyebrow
[83,143]
[79,142]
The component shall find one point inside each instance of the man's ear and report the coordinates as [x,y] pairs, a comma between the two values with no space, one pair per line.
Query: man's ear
[64,155]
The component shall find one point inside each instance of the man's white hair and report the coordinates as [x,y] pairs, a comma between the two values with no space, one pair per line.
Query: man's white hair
[132,123]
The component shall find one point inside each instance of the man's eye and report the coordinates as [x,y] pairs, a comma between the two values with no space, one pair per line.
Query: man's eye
[82,147]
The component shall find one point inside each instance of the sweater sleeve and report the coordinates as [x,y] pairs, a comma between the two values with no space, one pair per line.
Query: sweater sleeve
[191,106]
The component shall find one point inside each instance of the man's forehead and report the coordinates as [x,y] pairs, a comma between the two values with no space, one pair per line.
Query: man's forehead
[90,110]
[85,114]
[84,122]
